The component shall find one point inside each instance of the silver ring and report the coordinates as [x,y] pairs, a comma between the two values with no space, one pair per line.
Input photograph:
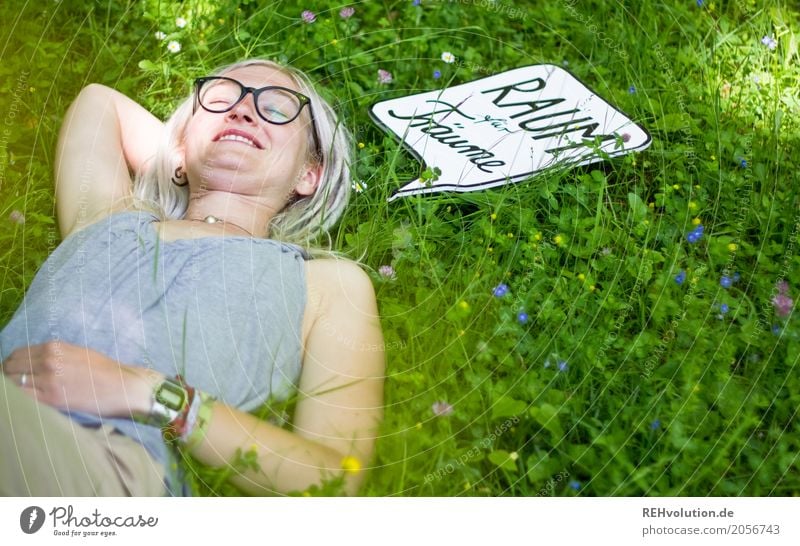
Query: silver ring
[23,380]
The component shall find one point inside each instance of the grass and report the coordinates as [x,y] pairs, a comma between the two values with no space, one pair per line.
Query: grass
[622,381]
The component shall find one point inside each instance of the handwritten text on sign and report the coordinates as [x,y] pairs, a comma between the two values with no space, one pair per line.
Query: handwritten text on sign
[506,128]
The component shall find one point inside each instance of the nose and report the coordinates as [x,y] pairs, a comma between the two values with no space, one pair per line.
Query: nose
[244,109]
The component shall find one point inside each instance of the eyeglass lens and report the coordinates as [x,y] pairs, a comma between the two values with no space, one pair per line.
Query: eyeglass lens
[274,104]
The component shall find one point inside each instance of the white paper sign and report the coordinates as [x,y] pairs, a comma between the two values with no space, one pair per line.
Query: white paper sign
[506,128]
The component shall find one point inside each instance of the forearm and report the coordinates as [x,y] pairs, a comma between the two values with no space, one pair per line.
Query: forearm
[286,461]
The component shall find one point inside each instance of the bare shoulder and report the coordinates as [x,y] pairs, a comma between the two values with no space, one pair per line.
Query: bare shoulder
[337,287]
[339,277]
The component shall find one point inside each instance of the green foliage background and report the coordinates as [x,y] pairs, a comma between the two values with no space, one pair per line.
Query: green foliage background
[622,381]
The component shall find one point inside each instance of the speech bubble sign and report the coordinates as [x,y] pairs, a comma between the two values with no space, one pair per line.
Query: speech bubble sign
[506,128]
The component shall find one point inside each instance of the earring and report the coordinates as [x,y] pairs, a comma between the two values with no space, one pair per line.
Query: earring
[178,175]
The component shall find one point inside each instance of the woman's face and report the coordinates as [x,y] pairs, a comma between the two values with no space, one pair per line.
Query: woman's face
[268,162]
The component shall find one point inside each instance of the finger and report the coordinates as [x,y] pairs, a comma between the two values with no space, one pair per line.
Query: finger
[18,362]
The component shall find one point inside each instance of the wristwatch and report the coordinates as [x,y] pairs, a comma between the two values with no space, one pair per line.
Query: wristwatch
[170,399]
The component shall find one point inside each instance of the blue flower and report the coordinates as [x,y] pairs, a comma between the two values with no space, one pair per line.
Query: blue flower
[699,3]
[575,484]
[522,317]
[725,281]
[723,308]
[563,366]
[695,235]
[656,424]
[500,290]
[437,74]
[680,277]
[776,329]
[415,3]
[632,89]
[736,277]
[743,164]
[770,42]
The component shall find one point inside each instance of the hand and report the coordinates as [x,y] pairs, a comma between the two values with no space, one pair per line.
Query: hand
[75,378]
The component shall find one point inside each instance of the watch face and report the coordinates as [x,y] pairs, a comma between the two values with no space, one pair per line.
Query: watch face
[171,394]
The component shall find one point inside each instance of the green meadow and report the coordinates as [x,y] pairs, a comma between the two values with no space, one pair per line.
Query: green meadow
[622,328]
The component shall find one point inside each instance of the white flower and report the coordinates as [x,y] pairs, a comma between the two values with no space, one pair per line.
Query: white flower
[448,57]
[358,186]
[180,22]
[174,46]
[160,35]
[770,42]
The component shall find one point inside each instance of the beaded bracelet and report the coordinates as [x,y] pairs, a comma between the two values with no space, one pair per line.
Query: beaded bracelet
[198,420]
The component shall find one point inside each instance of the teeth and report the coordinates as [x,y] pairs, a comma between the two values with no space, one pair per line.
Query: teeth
[238,138]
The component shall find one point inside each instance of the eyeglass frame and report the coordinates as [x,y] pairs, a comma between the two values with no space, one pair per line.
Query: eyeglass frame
[304,100]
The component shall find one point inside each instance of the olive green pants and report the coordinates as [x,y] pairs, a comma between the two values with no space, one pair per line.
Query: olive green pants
[43,453]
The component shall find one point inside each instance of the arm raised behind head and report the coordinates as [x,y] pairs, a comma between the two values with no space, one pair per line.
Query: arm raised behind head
[105,136]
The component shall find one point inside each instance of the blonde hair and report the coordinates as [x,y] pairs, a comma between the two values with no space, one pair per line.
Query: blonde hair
[303,221]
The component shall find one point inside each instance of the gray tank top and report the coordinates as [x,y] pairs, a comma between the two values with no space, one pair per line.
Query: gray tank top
[223,312]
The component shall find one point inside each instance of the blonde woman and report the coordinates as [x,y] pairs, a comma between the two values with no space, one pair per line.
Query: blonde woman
[184,296]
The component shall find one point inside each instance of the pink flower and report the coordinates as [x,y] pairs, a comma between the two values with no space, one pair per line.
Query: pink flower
[384,76]
[347,12]
[387,271]
[308,16]
[783,305]
[782,302]
[441,408]
[17,217]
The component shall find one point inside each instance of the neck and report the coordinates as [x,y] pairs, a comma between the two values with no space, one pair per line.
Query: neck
[230,210]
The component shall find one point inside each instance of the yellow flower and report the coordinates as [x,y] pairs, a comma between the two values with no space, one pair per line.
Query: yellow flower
[732,247]
[463,305]
[510,235]
[592,287]
[558,239]
[651,204]
[538,236]
[493,216]
[696,221]
[360,145]
[513,455]
[351,464]
[692,205]
[334,41]
[489,250]
[581,277]
[419,425]
[676,186]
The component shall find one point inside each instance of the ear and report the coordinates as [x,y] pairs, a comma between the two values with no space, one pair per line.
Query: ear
[309,180]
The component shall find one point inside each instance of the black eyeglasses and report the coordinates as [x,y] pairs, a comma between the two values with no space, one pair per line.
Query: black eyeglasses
[274,104]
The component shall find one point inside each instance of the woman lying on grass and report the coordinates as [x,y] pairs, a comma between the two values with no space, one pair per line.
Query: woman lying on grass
[181,301]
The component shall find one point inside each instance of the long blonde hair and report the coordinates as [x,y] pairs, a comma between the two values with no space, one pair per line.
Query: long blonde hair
[302,222]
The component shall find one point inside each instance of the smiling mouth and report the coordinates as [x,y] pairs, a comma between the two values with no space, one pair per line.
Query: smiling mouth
[238,138]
